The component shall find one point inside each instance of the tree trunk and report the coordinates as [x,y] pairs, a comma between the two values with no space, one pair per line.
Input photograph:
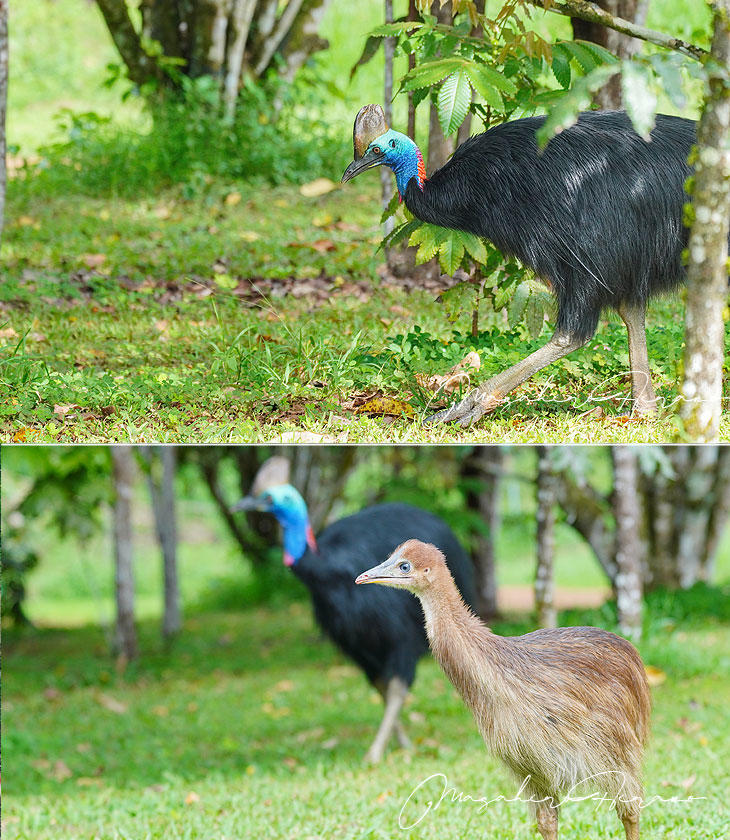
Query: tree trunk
[545,515]
[622,46]
[126,634]
[719,515]
[707,274]
[222,38]
[629,548]
[3,102]
[386,175]
[480,472]
[162,495]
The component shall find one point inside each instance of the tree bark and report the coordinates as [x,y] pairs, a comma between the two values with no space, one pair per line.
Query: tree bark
[629,548]
[3,104]
[592,13]
[161,466]
[707,274]
[126,634]
[480,471]
[545,515]
[719,515]
[623,46]
[697,484]
[440,147]
[140,67]
[386,176]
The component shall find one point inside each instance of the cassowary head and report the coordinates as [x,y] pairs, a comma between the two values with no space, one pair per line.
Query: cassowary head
[272,493]
[414,565]
[376,144]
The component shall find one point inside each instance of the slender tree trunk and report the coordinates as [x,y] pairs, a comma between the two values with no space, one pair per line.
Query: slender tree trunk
[480,472]
[719,515]
[386,176]
[411,130]
[3,101]
[622,46]
[544,579]
[161,466]
[126,634]
[629,548]
[440,147]
[708,250]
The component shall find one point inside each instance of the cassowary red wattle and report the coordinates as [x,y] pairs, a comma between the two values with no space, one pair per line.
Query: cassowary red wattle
[381,631]
[597,215]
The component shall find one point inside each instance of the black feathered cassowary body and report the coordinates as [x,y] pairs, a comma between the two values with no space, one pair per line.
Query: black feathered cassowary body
[382,631]
[598,215]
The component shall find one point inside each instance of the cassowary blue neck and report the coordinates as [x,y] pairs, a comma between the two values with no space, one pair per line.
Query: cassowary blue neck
[405,159]
[294,519]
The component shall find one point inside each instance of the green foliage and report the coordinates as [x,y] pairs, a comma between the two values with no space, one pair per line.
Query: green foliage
[190,142]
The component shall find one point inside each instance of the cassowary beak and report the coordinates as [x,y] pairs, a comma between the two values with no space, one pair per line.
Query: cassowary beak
[367,161]
[248,503]
[386,573]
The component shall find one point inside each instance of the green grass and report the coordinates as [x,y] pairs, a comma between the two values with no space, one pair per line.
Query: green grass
[141,320]
[251,725]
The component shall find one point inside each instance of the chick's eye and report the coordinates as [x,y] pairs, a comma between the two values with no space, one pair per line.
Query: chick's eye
[405,568]
[376,150]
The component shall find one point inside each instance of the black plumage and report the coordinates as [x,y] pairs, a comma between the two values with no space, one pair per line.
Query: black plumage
[597,213]
[381,630]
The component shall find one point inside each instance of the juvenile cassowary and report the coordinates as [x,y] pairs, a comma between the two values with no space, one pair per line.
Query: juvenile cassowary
[597,215]
[382,631]
[559,707]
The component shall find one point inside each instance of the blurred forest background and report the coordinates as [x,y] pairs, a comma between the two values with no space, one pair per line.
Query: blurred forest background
[216,709]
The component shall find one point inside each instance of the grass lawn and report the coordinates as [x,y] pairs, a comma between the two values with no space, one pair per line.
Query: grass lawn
[252,726]
[256,314]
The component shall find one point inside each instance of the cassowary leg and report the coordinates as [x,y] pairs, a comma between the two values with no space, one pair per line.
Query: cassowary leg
[490,394]
[643,397]
[547,820]
[403,740]
[631,826]
[395,695]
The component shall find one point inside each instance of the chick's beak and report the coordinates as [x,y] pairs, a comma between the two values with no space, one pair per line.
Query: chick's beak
[367,161]
[248,503]
[379,574]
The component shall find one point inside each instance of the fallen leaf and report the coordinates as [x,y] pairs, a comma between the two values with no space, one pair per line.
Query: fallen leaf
[51,693]
[61,771]
[386,406]
[191,798]
[93,260]
[88,781]
[83,747]
[323,245]
[8,332]
[330,743]
[25,221]
[249,235]
[687,783]
[232,199]
[322,220]
[320,186]
[284,685]
[111,704]
[654,676]
[290,762]
[62,410]
[458,377]
[160,711]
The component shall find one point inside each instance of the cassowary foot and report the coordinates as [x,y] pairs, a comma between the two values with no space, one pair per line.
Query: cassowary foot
[374,755]
[474,405]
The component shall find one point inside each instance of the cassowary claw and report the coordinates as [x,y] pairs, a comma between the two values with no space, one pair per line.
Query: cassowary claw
[474,406]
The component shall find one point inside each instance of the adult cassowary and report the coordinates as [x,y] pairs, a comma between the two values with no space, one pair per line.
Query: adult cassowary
[597,215]
[382,631]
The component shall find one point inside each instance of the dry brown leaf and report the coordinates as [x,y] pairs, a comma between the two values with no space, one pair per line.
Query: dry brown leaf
[320,186]
[88,781]
[111,704]
[93,260]
[458,377]
[62,410]
[61,771]
[160,711]
[191,798]
[232,199]
[8,332]
[654,676]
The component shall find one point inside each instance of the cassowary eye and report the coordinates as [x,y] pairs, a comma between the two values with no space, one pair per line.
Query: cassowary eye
[392,144]
[405,568]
